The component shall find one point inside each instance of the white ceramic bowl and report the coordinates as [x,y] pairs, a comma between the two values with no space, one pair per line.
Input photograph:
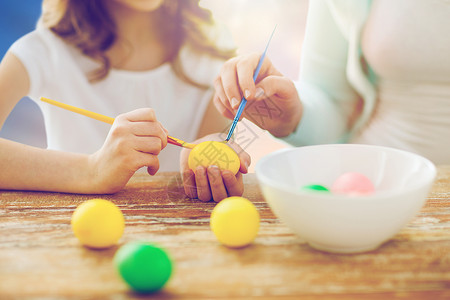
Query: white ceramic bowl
[341,223]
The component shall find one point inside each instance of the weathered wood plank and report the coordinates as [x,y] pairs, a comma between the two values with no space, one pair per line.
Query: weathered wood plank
[40,257]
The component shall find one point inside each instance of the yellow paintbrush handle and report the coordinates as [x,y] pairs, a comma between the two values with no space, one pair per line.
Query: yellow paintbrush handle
[107,119]
[175,141]
[80,111]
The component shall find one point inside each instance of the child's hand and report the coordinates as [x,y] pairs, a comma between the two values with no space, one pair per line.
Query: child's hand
[212,183]
[134,141]
[276,105]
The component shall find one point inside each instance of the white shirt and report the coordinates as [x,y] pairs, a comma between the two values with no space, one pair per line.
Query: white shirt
[411,59]
[406,103]
[58,71]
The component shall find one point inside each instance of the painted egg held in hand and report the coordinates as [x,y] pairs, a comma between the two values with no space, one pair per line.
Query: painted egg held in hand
[214,153]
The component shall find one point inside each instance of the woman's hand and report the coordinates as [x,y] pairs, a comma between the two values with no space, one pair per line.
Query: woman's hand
[134,141]
[273,101]
[212,183]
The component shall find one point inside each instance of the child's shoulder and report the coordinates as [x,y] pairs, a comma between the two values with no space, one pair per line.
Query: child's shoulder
[202,66]
[220,35]
[41,40]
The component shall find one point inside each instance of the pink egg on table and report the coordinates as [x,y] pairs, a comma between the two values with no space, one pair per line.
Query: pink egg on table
[353,183]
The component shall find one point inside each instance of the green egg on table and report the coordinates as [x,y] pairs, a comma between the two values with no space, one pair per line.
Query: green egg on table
[145,267]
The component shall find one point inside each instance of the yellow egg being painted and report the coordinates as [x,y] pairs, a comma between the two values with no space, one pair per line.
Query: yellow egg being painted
[235,222]
[98,223]
[214,153]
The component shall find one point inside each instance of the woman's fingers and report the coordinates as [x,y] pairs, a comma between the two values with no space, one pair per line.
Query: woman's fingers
[220,94]
[245,69]
[229,82]
[236,79]
[222,109]
[280,86]
[220,100]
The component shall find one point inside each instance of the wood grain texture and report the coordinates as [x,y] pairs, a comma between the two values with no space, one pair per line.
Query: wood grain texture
[40,258]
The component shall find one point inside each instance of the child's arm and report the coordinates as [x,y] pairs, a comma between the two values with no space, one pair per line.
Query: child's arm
[30,168]
[134,141]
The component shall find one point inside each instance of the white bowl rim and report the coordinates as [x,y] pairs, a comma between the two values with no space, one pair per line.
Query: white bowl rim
[376,195]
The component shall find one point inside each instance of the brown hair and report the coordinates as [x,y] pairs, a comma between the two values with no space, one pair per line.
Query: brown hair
[87,25]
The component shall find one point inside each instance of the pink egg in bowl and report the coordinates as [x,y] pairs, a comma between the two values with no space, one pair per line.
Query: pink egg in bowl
[353,183]
[345,222]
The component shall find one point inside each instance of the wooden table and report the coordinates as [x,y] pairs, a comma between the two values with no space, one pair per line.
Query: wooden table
[40,258]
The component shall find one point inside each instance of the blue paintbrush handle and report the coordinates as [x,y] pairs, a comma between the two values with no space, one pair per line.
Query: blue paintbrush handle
[243,100]
[236,118]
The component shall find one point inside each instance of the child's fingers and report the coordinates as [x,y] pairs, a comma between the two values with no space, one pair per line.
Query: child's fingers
[233,184]
[244,157]
[201,181]
[152,170]
[190,188]
[165,130]
[150,129]
[245,160]
[164,141]
[148,144]
[147,129]
[140,122]
[139,115]
[151,161]
[218,190]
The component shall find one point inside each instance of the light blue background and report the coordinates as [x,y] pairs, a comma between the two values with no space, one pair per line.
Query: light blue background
[25,123]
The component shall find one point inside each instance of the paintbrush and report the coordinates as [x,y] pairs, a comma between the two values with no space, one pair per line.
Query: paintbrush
[244,101]
[109,120]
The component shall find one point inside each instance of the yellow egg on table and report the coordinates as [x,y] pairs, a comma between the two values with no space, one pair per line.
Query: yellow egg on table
[235,222]
[98,223]
[214,153]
